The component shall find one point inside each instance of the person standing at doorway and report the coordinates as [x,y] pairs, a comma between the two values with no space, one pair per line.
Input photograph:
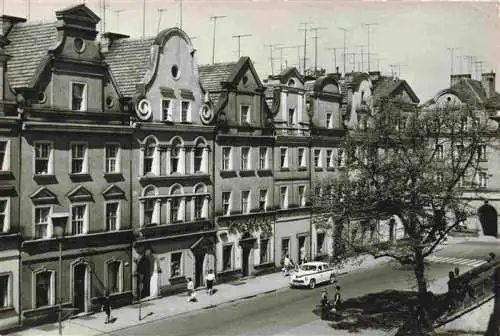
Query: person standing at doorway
[190,288]
[303,256]
[210,279]
[106,306]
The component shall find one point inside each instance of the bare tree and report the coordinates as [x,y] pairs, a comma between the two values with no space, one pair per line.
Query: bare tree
[409,166]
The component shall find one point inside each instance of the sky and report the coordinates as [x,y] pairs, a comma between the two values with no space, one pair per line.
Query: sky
[417,35]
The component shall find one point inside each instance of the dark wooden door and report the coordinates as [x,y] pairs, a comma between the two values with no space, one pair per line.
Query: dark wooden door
[79,288]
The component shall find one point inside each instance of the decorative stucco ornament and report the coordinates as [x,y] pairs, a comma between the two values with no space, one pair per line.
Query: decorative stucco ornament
[143,109]
[206,114]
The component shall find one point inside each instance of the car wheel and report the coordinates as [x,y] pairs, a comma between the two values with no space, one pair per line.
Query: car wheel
[312,283]
[332,279]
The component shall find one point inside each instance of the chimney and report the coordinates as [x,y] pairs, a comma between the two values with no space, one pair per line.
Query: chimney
[488,83]
[374,75]
[454,79]
[7,22]
[107,40]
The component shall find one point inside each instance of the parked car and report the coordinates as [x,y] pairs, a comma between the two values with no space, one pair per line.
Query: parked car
[311,274]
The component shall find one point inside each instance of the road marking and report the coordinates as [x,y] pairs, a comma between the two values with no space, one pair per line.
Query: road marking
[453,260]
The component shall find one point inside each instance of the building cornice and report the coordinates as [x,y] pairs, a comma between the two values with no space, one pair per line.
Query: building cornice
[177,127]
[76,127]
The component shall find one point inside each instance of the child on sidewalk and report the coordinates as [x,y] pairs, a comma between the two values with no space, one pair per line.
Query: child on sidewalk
[210,281]
[190,288]
[106,306]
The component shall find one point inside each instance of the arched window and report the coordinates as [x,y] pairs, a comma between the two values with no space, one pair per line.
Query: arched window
[177,204]
[177,157]
[114,276]
[291,82]
[200,202]
[150,164]
[150,206]
[44,283]
[200,157]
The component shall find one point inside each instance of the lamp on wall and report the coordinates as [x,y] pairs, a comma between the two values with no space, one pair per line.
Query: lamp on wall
[59,222]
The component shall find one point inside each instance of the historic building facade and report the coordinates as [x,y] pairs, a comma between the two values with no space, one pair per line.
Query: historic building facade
[243,201]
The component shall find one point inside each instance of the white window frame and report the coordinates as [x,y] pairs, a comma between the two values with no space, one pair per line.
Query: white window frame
[294,116]
[200,157]
[5,165]
[226,202]
[318,164]
[116,159]
[229,158]
[329,120]
[245,196]
[83,106]
[329,158]
[231,257]
[85,226]
[9,295]
[284,204]
[268,250]
[482,153]
[52,289]
[247,119]
[439,152]
[118,215]
[50,163]
[301,159]
[154,158]
[49,221]
[246,165]
[169,115]
[302,196]
[284,164]
[266,198]
[266,158]
[85,157]
[6,222]
[341,157]
[483,180]
[181,264]
[119,276]
[188,113]
[177,146]
[153,214]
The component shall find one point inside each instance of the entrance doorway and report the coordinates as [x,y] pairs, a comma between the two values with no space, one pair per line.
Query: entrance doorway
[245,254]
[301,251]
[199,258]
[144,270]
[79,292]
[488,217]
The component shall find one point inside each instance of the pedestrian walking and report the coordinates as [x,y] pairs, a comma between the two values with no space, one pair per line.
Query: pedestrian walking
[324,305]
[337,299]
[452,290]
[190,288]
[303,256]
[106,306]
[287,265]
[210,279]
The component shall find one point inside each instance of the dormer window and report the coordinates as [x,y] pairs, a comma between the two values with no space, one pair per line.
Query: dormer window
[166,110]
[245,114]
[329,120]
[291,83]
[185,111]
[78,96]
[291,116]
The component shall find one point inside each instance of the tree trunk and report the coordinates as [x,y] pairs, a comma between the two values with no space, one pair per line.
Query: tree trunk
[422,310]
[494,323]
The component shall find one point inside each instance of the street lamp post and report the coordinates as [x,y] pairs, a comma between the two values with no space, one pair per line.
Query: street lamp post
[59,221]
[139,278]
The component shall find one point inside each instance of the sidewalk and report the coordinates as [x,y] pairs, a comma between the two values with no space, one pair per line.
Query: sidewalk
[169,306]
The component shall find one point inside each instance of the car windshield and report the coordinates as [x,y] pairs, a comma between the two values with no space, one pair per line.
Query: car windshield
[308,268]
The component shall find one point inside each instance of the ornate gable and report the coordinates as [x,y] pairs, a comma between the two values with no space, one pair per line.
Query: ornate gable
[80,194]
[79,14]
[43,196]
[242,72]
[113,192]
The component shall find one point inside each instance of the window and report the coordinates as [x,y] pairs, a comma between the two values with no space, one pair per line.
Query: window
[227,256]
[439,177]
[301,157]
[244,114]
[112,161]
[340,158]
[284,157]
[112,216]
[481,153]
[198,207]
[166,110]
[79,219]
[175,158]
[44,289]
[185,111]
[5,291]
[42,221]
[114,276]
[175,264]
[198,159]
[149,154]
[483,180]
[4,155]
[329,158]
[317,158]
[175,209]
[149,208]
[291,82]
[284,197]
[263,199]
[439,152]
[302,196]
[226,158]
[78,158]
[78,96]
[43,158]
[320,241]
[329,120]
[4,215]
[245,201]
[285,247]
[263,158]
[226,203]
[461,182]
[291,116]
[264,251]
[245,156]
[460,150]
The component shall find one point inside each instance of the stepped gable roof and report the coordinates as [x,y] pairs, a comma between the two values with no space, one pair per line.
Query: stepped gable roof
[212,76]
[127,60]
[29,43]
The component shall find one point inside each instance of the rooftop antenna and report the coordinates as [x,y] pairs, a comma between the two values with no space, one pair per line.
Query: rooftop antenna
[239,40]
[469,62]
[315,37]
[480,64]
[378,63]
[117,13]
[460,63]
[392,66]
[143,19]
[271,59]
[353,54]
[399,69]
[334,58]
[281,57]
[180,14]
[305,24]
[368,27]
[284,59]
[362,49]
[345,30]
[452,52]
[214,19]
[160,12]
[28,3]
